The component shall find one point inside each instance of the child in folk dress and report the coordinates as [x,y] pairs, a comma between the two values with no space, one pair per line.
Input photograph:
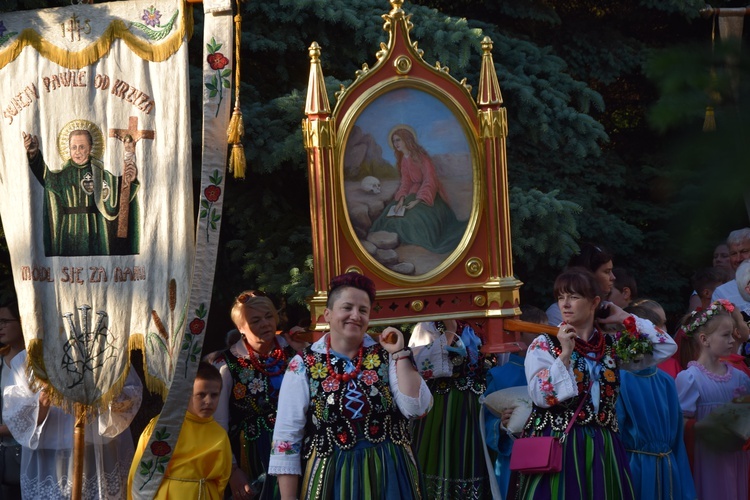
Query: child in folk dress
[709,383]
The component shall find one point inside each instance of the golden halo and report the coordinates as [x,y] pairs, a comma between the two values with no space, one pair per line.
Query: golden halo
[63,143]
[397,127]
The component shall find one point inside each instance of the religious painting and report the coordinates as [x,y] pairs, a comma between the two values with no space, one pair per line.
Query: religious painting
[88,210]
[408,175]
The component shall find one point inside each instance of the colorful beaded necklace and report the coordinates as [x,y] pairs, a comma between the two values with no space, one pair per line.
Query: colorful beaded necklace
[597,347]
[345,377]
[262,363]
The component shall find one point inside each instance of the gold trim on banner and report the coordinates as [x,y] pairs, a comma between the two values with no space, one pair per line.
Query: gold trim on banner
[36,373]
[154,384]
[100,48]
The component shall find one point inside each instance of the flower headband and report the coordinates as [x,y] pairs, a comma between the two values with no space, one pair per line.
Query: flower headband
[700,317]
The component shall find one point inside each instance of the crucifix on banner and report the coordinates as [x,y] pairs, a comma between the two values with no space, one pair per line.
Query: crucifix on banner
[129,137]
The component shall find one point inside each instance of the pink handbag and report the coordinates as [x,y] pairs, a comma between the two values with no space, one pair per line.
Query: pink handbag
[535,455]
[541,454]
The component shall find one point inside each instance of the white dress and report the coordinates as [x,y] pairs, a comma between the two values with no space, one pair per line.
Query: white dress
[46,459]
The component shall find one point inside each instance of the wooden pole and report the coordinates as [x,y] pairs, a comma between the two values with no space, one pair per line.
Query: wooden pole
[730,11]
[79,444]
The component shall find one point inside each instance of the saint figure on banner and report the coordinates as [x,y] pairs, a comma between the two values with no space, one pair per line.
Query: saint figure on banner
[82,204]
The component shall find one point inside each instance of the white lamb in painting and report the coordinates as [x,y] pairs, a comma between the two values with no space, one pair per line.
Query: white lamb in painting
[371,184]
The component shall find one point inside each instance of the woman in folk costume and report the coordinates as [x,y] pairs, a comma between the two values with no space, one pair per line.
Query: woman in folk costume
[580,362]
[448,441]
[252,370]
[345,406]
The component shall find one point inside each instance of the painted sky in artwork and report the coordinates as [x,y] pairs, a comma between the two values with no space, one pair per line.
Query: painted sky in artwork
[438,129]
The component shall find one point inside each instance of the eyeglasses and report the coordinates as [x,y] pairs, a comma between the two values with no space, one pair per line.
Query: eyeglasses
[4,322]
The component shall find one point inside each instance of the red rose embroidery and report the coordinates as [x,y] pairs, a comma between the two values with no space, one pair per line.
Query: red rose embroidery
[197,326]
[217,60]
[239,390]
[160,448]
[212,193]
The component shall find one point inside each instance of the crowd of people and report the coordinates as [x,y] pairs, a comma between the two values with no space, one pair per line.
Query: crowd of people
[637,411]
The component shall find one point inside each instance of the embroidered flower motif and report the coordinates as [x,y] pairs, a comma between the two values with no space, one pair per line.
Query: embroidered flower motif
[217,60]
[284,448]
[197,326]
[160,448]
[295,366]
[318,370]
[151,17]
[550,400]
[330,384]
[314,386]
[609,362]
[246,375]
[546,386]
[609,376]
[578,374]
[239,390]
[255,386]
[371,361]
[427,374]
[212,193]
[609,390]
[369,377]
[540,344]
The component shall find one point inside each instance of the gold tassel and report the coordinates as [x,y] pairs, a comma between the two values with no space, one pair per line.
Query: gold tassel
[709,123]
[237,161]
[236,129]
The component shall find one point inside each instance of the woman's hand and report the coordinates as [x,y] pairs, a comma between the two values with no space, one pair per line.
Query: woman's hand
[616,314]
[297,345]
[413,204]
[451,325]
[392,347]
[506,414]
[567,337]
[400,203]
[239,485]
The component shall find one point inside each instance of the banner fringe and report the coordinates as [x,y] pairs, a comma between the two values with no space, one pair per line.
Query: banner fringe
[136,342]
[95,51]
[36,373]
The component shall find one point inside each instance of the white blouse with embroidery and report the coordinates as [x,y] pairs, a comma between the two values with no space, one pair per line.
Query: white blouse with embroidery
[294,401]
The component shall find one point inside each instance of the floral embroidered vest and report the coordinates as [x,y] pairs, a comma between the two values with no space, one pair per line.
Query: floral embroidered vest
[557,416]
[467,376]
[254,400]
[343,413]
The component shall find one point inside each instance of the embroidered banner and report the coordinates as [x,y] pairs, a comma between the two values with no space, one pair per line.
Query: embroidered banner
[96,189]
[218,37]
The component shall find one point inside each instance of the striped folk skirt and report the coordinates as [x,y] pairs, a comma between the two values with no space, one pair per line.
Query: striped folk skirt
[595,466]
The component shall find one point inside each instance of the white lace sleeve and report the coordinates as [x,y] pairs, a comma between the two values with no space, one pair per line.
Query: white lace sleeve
[121,411]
